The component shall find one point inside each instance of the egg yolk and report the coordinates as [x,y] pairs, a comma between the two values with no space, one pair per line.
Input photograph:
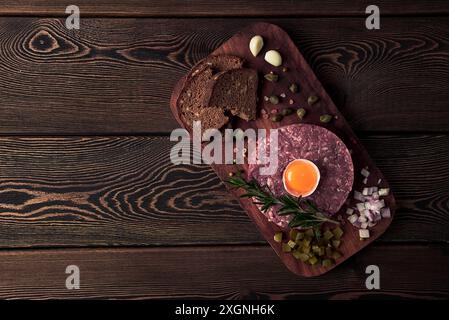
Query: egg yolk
[301,178]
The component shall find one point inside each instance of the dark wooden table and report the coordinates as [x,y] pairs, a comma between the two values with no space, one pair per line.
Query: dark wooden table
[85,175]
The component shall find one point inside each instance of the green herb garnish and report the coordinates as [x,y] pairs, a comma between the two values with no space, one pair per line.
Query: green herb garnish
[304,213]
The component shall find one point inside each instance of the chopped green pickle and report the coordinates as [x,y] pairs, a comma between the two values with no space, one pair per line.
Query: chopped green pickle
[336,255]
[313,260]
[293,234]
[291,244]
[303,257]
[337,232]
[327,263]
[286,247]
[306,242]
[299,236]
[278,236]
[336,243]
[328,235]
[310,233]
[323,242]
[315,247]
[296,254]
[321,252]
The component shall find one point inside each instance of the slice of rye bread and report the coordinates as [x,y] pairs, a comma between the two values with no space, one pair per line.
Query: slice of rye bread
[234,91]
[190,101]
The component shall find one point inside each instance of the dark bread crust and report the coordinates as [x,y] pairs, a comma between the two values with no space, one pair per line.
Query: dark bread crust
[234,91]
[190,101]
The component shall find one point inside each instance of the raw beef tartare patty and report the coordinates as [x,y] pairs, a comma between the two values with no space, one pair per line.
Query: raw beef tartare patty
[322,147]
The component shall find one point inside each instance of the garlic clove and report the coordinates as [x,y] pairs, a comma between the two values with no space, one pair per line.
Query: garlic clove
[273,57]
[255,45]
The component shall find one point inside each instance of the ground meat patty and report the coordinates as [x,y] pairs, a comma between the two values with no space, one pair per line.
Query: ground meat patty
[327,151]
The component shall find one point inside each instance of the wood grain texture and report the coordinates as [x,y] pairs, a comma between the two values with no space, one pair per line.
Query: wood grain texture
[116,75]
[102,191]
[301,74]
[242,272]
[195,8]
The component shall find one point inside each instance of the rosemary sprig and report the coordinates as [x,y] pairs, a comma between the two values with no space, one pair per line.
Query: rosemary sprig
[304,212]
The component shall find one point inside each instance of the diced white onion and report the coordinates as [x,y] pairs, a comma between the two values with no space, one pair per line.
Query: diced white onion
[364,233]
[365,173]
[353,218]
[365,191]
[359,196]
[385,212]
[384,191]
[349,211]
[364,225]
[377,205]
[360,206]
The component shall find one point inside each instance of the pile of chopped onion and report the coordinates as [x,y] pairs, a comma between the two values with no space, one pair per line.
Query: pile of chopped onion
[370,209]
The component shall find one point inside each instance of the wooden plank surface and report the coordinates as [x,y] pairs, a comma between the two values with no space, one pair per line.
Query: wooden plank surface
[304,77]
[116,75]
[248,272]
[100,191]
[180,8]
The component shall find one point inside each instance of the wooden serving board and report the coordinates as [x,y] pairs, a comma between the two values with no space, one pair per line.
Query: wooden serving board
[299,72]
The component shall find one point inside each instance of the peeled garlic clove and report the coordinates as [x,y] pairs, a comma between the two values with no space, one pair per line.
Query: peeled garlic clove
[255,45]
[273,57]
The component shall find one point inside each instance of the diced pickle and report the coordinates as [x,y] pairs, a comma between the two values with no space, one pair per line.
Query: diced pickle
[296,253]
[303,257]
[321,252]
[313,260]
[336,255]
[293,234]
[327,263]
[306,242]
[299,236]
[323,242]
[312,246]
[310,233]
[291,244]
[328,235]
[286,247]
[336,243]
[337,232]
[278,236]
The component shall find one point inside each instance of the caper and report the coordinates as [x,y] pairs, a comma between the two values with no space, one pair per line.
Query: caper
[274,99]
[312,99]
[287,111]
[271,77]
[301,112]
[293,88]
[325,118]
[276,118]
